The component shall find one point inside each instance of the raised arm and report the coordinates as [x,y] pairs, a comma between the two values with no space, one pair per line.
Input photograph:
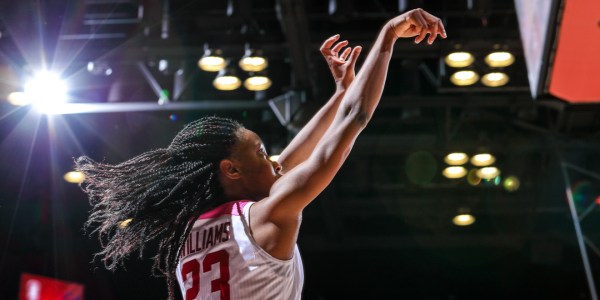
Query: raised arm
[341,66]
[276,219]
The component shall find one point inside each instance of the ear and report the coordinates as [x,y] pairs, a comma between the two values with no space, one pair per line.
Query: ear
[229,169]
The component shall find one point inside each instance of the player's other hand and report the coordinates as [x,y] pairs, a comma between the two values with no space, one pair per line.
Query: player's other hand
[419,23]
[341,60]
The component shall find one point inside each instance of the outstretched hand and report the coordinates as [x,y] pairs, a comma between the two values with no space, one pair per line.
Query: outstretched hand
[341,64]
[418,22]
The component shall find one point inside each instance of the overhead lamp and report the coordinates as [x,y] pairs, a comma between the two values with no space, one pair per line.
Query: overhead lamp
[488,172]
[464,78]
[454,172]
[456,158]
[253,60]
[227,80]
[463,219]
[45,90]
[494,79]
[482,160]
[257,82]
[499,59]
[212,60]
[459,59]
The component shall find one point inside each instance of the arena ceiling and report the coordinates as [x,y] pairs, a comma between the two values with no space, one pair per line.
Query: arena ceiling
[383,228]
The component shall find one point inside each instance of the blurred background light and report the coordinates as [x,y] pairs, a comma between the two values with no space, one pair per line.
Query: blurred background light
[74,177]
[488,172]
[511,183]
[463,220]
[257,82]
[482,160]
[464,78]
[454,172]
[125,223]
[456,158]
[459,59]
[494,79]
[499,59]
[212,60]
[227,80]
[45,90]
[253,60]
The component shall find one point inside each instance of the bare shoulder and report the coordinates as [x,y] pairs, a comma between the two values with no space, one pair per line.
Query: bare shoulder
[277,239]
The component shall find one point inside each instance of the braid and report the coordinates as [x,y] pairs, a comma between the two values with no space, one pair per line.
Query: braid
[161,191]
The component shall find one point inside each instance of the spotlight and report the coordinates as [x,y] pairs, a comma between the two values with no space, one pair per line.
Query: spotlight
[274,157]
[499,59]
[257,82]
[482,160]
[454,172]
[253,60]
[227,80]
[45,90]
[459,59]
[456,158]
[212,60]
[464,78]
[494,79]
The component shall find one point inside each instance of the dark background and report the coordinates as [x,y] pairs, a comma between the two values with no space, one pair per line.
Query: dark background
[382,229]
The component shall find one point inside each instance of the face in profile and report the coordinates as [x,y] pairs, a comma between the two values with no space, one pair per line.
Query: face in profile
[257,173]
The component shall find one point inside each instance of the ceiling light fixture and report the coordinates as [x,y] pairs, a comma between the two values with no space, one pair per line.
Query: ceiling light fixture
[459,59]
[212,60]
[488,172]
[463,219]
[257,82]
[499,59]
[494,79]
[456,158]
[454,172]
[464,78]
[482,160]
[227,80]
[253,60]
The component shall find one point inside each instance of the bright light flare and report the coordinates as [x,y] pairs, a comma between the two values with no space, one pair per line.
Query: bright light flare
[45,91]
[74,177]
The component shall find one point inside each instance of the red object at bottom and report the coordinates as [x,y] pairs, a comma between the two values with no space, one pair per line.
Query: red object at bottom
[34,287]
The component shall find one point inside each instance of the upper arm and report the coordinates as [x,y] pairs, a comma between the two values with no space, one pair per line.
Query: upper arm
[298,187]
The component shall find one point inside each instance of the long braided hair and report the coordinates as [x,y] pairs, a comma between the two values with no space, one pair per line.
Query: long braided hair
[154,196]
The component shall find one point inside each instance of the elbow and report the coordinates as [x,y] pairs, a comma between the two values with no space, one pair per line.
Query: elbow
[358,115]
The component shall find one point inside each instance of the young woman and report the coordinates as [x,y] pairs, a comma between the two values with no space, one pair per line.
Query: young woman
[226,217]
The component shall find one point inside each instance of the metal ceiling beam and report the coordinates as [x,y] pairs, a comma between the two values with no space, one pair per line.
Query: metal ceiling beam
[294,23]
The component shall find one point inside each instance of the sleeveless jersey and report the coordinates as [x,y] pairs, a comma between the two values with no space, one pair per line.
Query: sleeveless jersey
[221,260]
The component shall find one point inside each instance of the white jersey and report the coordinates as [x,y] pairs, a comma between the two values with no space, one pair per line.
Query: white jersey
[221,260]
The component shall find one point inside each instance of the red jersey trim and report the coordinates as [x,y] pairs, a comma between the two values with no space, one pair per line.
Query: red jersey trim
[228,208]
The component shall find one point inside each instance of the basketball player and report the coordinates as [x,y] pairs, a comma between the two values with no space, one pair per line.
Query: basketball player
[226,217]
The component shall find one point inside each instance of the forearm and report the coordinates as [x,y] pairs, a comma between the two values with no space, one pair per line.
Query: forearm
[365,91]
[305,141]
